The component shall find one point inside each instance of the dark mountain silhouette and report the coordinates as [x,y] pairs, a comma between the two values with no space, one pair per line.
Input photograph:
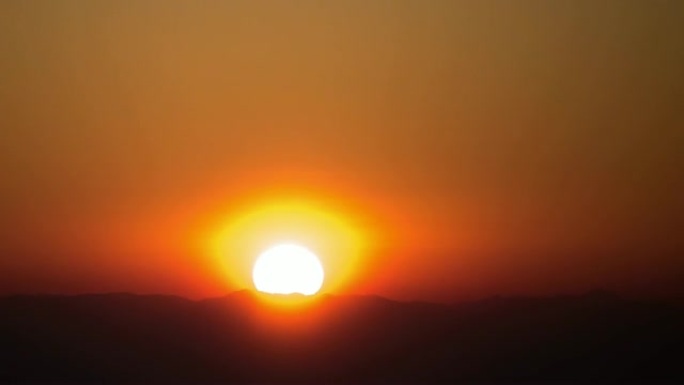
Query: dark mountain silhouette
[240,338]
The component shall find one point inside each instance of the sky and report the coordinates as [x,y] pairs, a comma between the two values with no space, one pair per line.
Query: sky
[438,150]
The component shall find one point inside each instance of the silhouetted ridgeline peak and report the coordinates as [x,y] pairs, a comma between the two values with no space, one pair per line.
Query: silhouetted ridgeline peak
[242,338]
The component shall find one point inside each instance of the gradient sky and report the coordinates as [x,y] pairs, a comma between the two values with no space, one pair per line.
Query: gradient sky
[493,147]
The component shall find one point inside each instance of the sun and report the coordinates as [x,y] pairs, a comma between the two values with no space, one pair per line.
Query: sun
[288,269]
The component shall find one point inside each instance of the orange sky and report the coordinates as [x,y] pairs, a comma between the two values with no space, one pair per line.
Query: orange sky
[470,148]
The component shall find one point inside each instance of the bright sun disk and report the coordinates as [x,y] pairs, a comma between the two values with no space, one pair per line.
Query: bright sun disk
[288,269]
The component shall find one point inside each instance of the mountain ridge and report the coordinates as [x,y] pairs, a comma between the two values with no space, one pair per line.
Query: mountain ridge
[238,338]
[255,294]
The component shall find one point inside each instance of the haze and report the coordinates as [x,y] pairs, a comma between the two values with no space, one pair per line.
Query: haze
[529,147]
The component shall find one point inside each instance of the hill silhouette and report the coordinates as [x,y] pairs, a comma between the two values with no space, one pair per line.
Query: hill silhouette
[241,338]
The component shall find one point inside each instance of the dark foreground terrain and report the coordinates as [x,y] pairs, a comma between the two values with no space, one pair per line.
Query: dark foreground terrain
[129,338]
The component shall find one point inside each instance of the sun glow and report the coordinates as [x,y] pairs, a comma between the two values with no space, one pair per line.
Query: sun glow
[329,232]
[288,269]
